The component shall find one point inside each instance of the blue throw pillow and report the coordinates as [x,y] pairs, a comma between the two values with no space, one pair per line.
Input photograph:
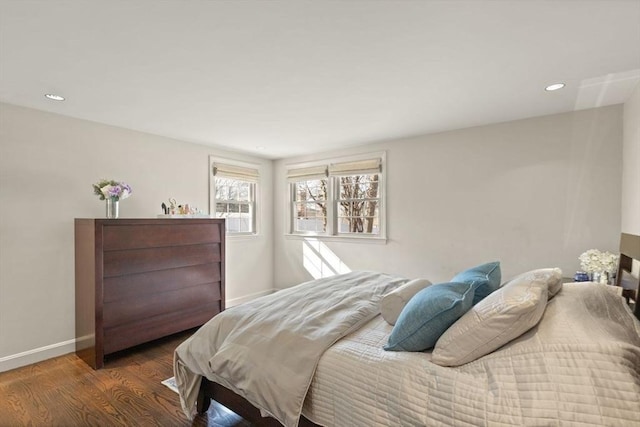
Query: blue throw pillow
[485,278]
[428,315]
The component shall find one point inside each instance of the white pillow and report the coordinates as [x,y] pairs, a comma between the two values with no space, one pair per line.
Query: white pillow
[392,303]
[555,281]
[499,318]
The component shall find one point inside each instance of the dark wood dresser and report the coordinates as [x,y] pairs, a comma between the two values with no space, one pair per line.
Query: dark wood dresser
[142,279]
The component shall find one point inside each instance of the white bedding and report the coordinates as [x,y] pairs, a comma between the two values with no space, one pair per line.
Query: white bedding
[580,367]
[267,350]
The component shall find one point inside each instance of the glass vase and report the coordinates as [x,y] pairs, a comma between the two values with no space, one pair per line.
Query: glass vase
[600,277]
[113,208]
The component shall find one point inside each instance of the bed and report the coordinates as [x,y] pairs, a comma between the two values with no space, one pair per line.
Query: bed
[579,364]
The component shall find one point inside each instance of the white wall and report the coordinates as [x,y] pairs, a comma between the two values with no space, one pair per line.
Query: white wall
[631,165]
[531,193]
[47,165]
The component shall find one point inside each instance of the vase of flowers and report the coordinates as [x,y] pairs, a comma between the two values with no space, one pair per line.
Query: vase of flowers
[600,265]
[112,191]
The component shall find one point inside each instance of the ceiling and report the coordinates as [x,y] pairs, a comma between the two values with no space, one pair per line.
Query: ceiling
[284,78]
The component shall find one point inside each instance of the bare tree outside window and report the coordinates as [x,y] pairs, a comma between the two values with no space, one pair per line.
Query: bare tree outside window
[310,201]
[358,201]
[358,204]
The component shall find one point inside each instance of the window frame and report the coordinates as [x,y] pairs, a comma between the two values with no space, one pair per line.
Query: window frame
[333,200]
[293,208]
[338,200]
[254,188]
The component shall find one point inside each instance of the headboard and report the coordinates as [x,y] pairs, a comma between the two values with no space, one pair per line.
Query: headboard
[629,250]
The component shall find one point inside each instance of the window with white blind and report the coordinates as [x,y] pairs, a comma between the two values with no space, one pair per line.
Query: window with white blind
[340,197]
[233,194]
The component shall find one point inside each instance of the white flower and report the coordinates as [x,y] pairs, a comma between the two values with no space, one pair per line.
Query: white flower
[105,190]
[594,260]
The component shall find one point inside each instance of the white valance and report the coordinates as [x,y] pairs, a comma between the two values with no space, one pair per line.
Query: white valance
[360,167]
[224,170]
[307,174]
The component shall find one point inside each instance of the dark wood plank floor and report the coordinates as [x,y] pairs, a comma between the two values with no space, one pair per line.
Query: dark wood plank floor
[64,391]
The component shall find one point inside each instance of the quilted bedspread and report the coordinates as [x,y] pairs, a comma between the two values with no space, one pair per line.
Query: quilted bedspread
[579,367]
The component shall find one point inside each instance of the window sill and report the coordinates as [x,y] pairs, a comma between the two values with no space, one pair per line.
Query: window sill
[344,239]
[243,236]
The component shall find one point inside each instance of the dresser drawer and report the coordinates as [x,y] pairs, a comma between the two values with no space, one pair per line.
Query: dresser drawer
[118,263]
[123,311]
[119,237]
[124,336]
[141,285]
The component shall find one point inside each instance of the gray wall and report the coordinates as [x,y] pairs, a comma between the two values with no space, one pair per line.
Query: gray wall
[47,165]
[531,193]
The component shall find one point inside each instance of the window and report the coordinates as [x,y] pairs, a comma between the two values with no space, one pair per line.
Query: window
[339,198]
[310,197]
[234,196]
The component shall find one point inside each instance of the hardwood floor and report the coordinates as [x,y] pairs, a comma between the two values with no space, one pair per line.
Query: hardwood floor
[64,391]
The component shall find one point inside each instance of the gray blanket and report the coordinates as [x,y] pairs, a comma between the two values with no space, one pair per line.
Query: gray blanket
[267,350]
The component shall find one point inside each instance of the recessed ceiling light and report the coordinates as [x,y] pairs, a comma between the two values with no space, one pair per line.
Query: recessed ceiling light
[554,86]
[54,97]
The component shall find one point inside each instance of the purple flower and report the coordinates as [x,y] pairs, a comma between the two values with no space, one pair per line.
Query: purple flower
[115,191]
[109,189]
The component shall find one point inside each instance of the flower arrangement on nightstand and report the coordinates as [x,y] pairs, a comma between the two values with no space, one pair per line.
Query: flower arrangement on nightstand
[600,266]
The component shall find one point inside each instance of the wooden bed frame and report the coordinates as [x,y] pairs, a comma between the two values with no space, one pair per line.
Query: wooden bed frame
[238,404]
[629,250]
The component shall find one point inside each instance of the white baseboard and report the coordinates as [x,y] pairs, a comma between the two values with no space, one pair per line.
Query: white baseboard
[247,298]
[28,357]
